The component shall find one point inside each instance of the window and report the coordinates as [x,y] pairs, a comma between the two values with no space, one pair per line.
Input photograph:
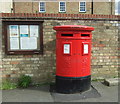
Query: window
[42,7]
[62,6]
[82,6]
[23,37]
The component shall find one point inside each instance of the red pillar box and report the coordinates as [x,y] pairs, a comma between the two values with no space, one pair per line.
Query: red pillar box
[73,52]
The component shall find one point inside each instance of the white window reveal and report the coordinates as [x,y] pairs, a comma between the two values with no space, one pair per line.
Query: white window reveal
[82,6]
[42,7]
[62,6]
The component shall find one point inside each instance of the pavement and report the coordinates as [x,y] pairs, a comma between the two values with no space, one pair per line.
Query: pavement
[42,94]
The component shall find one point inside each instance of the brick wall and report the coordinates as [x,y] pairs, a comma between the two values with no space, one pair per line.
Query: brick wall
[0,50]
[104,8]
[42,67]
[60,16]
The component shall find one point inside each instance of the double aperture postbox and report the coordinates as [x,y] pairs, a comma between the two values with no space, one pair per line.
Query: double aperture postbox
[73,51]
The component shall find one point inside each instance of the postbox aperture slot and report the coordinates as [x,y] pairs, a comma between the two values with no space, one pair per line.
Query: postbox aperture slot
[67,35]
[85,35]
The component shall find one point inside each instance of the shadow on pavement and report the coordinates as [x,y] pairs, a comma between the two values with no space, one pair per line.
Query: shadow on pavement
[58,97]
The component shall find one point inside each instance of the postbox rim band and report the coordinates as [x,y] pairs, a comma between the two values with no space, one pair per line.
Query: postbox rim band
[73,28]
[73,77]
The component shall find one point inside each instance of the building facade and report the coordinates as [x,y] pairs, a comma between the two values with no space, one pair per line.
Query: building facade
[78,7]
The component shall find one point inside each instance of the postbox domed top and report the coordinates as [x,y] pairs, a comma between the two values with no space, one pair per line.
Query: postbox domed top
[73,28]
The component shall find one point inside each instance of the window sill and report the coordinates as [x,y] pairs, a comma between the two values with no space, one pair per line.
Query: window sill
[24,52]
[82,11]
[62,12]
[42,12]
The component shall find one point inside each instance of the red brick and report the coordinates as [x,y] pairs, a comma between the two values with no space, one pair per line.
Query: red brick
[1,69]
[0,62]
[40,15]
[118,56]
[28,56]
[94,57]
[95,45]
[7,76]
[57,15]
[13,72]
[101,45]
[113,57]
[14,62]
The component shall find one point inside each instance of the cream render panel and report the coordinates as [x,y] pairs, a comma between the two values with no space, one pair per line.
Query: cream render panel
[6,6]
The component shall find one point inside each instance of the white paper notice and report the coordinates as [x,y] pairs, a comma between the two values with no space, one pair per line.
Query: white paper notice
[24,30]
[28,43]
[66,48]
[13,31]
[85,48]
[14,43]
[34,30]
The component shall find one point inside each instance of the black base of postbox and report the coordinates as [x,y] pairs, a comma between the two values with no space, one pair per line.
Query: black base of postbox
[68,85]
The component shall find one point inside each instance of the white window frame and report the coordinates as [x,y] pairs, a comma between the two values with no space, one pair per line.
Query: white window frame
[44,7]
[84,6]
[59,6]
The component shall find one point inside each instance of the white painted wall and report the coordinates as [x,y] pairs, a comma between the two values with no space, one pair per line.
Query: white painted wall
[117,7]
[5,6]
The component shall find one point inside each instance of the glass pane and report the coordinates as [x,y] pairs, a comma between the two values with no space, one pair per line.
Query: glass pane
[82,6]
[42,6]
[28,43]
[14,43]
[62,6]
[82,9]
[82,3]
[34,31]
[13,37]
[23,37]
[62,3]
[13,31]
[24,31]
[42,9]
